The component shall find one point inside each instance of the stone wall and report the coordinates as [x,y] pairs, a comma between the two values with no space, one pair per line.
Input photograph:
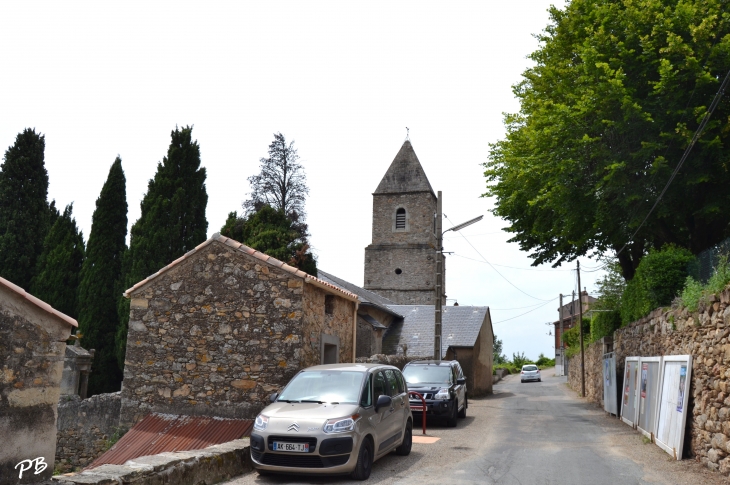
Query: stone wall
[32,347]
[213,335]
[85,428]
[594,372]
[326,314]
[420,208]
[706,336]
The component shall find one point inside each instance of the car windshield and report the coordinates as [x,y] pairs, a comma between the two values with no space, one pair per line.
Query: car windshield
[427,374]
[530,367]
[330,386]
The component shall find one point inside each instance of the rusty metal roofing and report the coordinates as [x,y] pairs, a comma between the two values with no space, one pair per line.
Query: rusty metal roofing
[160,433]
[37,302]
[265,258]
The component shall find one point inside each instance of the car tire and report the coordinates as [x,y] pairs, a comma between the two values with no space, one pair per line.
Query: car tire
[462,413]
[364,461]
[539,380]
[451,420]
[263,473]
[522,381]
[405,448]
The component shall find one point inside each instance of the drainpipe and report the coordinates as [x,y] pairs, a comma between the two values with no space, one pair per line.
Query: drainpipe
[354,332]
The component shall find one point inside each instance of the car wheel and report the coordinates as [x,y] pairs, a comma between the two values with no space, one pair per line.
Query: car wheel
[462,413]
[522,381]
[364,461]
[451,420]
[405,448]
[539,380]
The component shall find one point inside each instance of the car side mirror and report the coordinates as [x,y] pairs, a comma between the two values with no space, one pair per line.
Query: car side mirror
[273,396]
[382,402]
[461,380]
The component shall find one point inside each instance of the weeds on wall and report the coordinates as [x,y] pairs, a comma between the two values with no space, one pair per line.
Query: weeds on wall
[695,292]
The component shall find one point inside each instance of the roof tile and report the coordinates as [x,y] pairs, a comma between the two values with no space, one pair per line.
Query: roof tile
[38,302]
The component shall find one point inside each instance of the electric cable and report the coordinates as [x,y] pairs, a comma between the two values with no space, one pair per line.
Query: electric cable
[512,267]
[495,269]
[522,314]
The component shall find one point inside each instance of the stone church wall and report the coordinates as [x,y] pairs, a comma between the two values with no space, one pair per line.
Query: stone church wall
[214,335]
[420,208]
[415,283]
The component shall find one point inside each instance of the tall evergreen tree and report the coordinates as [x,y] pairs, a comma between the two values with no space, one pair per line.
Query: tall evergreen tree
[59,266]
[24,210]
[101,281]
[173,217]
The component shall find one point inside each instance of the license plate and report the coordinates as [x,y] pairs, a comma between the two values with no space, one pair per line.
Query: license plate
[296,447]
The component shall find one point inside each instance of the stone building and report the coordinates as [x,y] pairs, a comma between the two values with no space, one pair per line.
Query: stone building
[400,263]
[32,345]
[219,329]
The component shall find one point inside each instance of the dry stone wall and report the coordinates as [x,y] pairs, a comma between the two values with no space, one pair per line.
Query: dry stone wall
[333,318]
[86,428]
[214,335]
[593,355]
[705,335]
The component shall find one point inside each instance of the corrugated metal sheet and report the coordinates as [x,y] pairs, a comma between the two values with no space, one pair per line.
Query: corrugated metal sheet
[159,433]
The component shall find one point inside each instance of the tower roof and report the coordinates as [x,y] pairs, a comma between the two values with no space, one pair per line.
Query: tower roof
[405,174]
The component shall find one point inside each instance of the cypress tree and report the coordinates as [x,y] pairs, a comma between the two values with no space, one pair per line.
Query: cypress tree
[57,272]
[24,210]
[173,218]
[101,281]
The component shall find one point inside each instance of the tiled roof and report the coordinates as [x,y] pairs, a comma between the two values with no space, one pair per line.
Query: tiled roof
[37,302]
[405,174]
[264,258]
[365,296]
[460,326]
[160,433]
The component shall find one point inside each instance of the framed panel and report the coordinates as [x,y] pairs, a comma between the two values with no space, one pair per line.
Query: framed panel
[629,406]
[610,387]
[672,410]
[650,369]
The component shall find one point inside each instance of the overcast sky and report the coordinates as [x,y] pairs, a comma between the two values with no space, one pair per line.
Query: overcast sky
[342,79]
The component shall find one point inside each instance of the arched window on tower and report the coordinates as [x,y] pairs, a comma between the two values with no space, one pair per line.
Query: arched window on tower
[400,218]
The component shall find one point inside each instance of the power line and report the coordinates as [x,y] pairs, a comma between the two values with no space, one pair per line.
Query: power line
[517,308]
[522,314]
[495,269]
[698,132]
[512,267]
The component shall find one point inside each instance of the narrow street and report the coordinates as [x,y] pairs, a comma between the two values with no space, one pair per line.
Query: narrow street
[532,433]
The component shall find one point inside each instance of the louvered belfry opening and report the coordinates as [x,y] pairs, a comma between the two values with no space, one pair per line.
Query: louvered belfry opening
[400,218]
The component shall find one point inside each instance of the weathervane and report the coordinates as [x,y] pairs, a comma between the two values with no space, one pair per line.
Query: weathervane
[408,136]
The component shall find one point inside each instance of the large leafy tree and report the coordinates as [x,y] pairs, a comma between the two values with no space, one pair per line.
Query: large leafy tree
[101,285]
[59,265]
[616,93]
[24,209]
[273,221]
[173,218]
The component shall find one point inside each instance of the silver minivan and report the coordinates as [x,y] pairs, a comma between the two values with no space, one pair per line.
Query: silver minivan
[334,419]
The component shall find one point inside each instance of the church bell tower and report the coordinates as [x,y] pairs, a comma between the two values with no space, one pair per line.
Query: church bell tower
[400,263]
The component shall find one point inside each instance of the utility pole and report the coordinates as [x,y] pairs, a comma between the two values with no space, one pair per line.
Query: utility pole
[582,355]
[439,278]
[560,341]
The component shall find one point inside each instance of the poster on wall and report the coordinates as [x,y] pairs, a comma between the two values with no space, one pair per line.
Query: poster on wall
[649,395]
[674,392]
[607,371]
[644,372]
[629,402]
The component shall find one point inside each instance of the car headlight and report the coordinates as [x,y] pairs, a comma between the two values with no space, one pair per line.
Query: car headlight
[443,394]
[340,425]
[261,422]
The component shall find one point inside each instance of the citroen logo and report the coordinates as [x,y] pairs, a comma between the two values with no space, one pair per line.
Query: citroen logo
[293,427]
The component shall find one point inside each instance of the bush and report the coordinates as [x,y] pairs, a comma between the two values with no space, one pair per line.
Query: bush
[694,292]
[543,362]
[660,276]
[604,323]
[519,359]
[509,367]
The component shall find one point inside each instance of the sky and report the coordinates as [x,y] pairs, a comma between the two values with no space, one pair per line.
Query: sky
[341,79]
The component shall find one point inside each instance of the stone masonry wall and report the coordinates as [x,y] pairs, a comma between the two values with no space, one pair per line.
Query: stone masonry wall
[85,427]
[414,285]
[213,335]
[706,336]
[317,321]
[594,372]
[420,208]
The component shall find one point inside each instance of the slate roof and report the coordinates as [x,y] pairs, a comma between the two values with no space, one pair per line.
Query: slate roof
[264,258]
[366,297]
[372,321]
[405,174]
[37,302]
[460,327]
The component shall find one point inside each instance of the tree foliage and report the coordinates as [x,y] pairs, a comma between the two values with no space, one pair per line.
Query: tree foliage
[59,265]
[101,281]
[172,221]
[24,209]
[497,356]
[616,93]
[270,231]
[273,221]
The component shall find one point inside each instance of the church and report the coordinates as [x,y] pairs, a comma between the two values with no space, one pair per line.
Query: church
[396,311]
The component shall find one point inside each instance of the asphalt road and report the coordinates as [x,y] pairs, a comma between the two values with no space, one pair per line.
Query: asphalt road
[532,433]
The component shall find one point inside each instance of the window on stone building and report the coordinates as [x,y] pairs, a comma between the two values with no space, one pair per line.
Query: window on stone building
[400,218]
[329,304]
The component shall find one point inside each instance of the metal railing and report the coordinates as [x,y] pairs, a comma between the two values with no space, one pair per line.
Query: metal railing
[423,408]
[705,264]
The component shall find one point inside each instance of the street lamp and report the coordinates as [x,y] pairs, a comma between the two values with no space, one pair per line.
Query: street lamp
[440,271]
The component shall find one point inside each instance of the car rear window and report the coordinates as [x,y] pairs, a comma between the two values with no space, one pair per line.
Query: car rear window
[530,367]
[431,374]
